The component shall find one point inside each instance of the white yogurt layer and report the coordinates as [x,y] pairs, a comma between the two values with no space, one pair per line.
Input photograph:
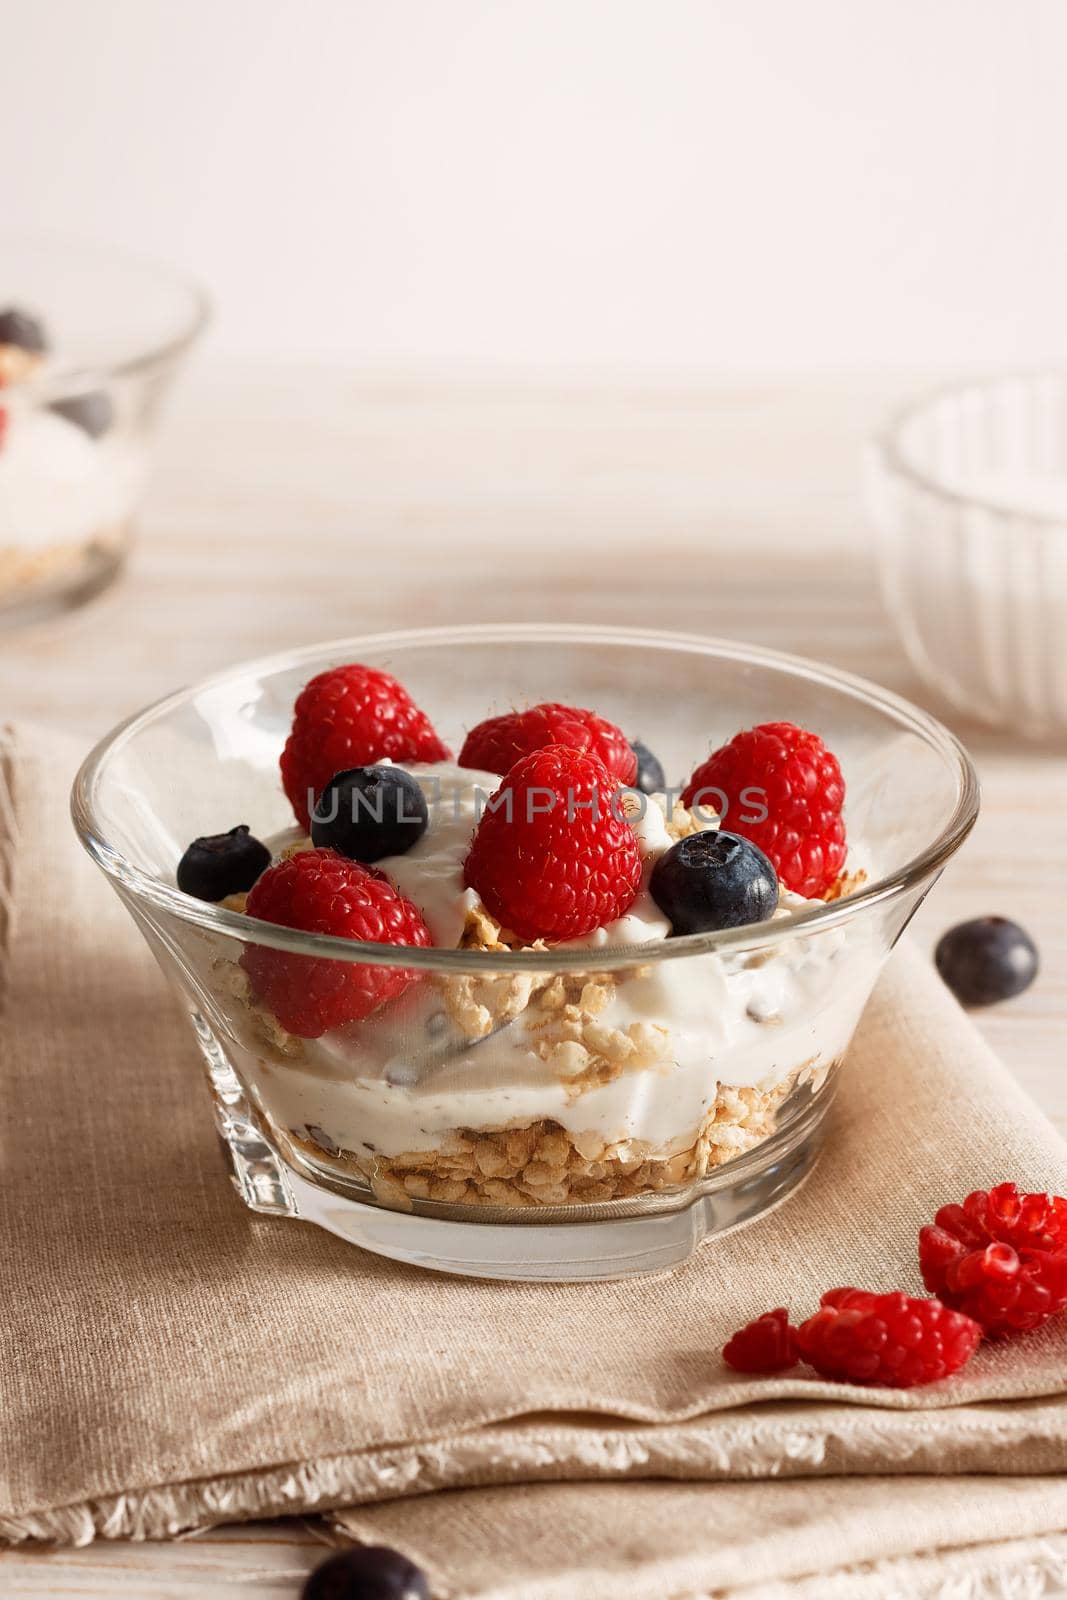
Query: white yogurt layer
[431,872]
[406,1079]
[58,486]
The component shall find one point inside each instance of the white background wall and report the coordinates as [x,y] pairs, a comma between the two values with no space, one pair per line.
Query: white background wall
[670,183]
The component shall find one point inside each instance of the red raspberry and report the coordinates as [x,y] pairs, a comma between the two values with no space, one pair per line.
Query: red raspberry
[553,857]
[790,775]
[323,892]
[497,743]
[767,1345]
[351,717]
[3,427]
[888,1340]
[1001,1257]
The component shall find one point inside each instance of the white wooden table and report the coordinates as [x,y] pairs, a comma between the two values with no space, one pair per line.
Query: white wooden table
[291,506]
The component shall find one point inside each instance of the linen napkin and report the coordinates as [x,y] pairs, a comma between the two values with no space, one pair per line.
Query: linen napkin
[169,1360]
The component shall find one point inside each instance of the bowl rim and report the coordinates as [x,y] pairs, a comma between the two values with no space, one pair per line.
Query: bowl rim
[63,379]
[888,444]
[795,923]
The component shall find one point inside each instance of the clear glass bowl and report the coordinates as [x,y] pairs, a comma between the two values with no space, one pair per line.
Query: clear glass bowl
[969,489]
[77,424]
[706,1064]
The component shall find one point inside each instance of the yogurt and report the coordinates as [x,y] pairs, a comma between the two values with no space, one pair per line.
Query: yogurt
[58,486]
[407,1079]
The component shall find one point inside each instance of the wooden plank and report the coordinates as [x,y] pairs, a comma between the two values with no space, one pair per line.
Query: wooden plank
[269,1560]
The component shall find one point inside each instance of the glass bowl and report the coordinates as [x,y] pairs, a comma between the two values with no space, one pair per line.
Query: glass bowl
[969,489]
[565,1113]
[78,418]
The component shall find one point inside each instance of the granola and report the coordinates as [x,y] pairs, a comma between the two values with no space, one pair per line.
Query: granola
[544,1164]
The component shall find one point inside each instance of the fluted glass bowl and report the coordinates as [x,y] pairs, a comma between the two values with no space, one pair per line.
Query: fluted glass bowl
[969,490]
[561,1113]
[78,419]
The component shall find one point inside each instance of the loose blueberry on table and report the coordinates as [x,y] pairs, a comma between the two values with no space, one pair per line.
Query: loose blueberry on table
[986,960]
[373,1572]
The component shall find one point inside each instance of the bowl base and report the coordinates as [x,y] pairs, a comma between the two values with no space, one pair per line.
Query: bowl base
[554,1252]
[33,589]
[625,1244]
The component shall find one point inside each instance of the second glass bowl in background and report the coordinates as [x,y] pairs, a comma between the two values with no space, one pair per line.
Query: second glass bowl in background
[77,421]
[969,488]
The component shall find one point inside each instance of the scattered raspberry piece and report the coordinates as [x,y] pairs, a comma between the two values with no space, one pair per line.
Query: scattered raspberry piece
[349,717]
[1000,1257]
[550,857]
[788,773]
[322,892]
[497,743]
[766,1345]
[888,1340]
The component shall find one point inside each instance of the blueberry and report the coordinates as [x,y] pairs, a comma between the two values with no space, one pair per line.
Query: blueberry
[987,959]
[651,778]
[222,864]
[714,880]
[23,331]
[93,412]
[373,1572]
[370,812]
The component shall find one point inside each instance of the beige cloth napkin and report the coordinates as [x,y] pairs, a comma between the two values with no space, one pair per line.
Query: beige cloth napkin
[168,1360]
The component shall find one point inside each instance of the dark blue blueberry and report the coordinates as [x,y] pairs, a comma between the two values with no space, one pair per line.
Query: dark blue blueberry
[22,330]
[714,880]
[651,778]
[987,959]
[373,1572]
[222,864]
[370,812]
[93,412]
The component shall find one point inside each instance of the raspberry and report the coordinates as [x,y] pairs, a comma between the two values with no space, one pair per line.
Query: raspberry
[3,427]
[789,775]
[766,1345]
[1000,1257]
[553,857]
[348,717]
[496,744]
[322,892]
[888,1340]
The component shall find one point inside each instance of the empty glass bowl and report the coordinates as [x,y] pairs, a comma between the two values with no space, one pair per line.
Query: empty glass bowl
[571,1112]
[969,489]
[84,368]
